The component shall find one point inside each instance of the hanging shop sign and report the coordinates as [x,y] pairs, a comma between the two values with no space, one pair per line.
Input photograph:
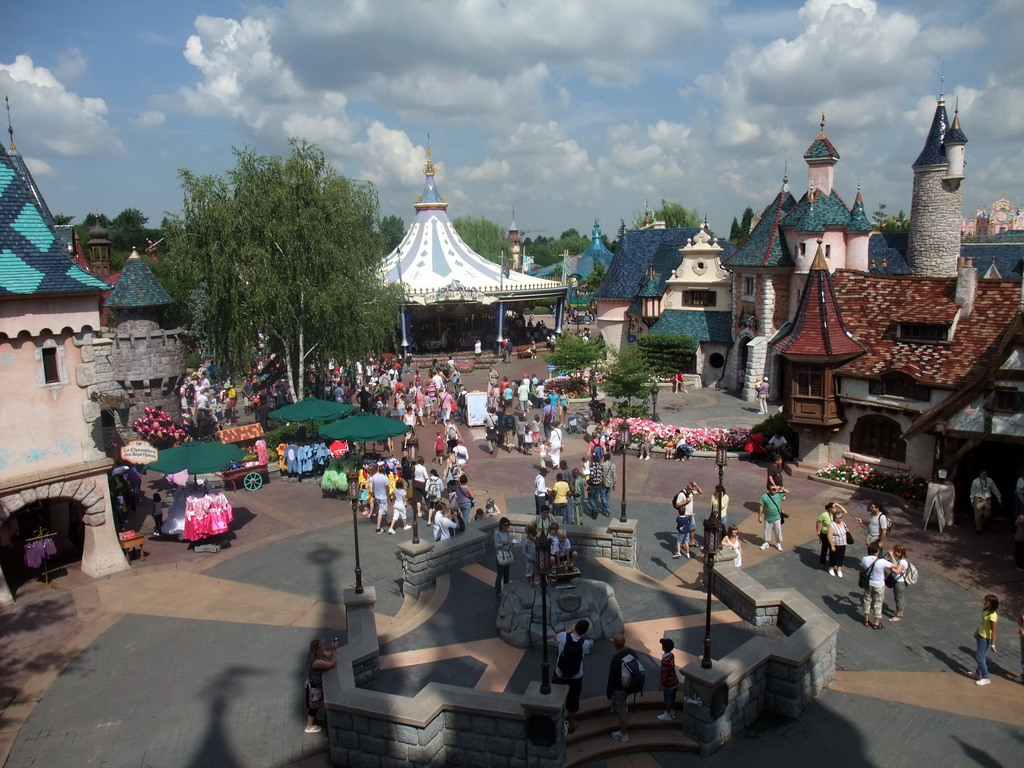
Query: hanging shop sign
[139,452]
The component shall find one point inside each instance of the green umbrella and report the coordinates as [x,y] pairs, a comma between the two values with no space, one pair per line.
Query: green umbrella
[312,409]
[197,458]
[363,428]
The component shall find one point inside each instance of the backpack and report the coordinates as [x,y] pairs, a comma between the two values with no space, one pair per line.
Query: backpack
[596,475]
[598,453]
[676,500]
[633,675]
[910,577]
[570,660]
[434,488]
[888,523]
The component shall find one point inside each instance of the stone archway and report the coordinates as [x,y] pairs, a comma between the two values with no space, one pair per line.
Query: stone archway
[101,552]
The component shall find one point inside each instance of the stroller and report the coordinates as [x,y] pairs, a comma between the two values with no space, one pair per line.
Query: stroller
[575,424]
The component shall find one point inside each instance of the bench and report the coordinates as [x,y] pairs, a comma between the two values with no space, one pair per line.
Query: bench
[525,351]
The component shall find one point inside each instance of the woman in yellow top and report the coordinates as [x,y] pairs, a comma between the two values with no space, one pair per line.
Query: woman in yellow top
[560,502]
[986,637]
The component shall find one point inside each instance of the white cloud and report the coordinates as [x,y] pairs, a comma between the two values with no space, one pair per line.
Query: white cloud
[39,167]
[151,118]
[71,64]
[490,170]
[68,124]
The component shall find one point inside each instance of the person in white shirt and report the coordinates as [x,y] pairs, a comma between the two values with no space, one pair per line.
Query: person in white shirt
[871,603]
[444,525]
[982,491]
[540,490]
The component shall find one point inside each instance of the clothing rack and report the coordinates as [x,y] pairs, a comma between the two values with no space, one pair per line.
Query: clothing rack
[40,535]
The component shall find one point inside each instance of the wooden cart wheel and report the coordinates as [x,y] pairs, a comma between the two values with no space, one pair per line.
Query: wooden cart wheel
[253,481]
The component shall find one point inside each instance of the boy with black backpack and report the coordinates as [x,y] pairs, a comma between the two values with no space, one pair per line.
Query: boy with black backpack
[572,647]
[625,676]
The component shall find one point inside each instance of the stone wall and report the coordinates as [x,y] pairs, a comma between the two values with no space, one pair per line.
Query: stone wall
[764,674]
[442,725]
[149,363]
[933,245]
[422,563]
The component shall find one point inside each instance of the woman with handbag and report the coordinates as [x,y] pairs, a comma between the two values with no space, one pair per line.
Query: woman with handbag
[838,538]
[316,663]
[503,543]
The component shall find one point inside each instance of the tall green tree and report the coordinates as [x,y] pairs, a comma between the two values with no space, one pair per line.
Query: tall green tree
[484,236]
[629,375]
[392,230]
[666,354]
[595,278]
[675,215]
[284,251]
[574,355]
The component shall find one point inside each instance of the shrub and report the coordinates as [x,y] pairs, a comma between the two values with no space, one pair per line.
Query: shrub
[777,422]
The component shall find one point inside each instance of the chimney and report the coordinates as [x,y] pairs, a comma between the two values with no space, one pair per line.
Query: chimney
[966,285]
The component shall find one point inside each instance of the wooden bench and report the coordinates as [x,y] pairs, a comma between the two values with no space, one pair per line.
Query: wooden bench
[525,351]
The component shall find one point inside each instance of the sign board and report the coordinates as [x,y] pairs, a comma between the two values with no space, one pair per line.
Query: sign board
[940,501]
[139,452]
[476,408]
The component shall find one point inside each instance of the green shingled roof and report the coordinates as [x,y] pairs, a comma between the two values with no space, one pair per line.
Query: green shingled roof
[32,259]
[764,247]
[137,287]
[829,211]
[698,325]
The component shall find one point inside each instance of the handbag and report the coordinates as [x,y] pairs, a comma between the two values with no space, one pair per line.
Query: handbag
[849,538]
[505,557]
[864,580]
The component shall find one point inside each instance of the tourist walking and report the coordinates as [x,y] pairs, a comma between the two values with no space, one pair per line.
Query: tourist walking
[530,551]
[540,489]
[316,663]
[873,568]
[982,491]
[572,647]
[720,504]
[821,525]
[986,638]
[900,564]
[560,501]
[398,508]
[669,679]
[769,512]
[576,499]
[762,395]
[838,538]
[555,442]
[503,543]
[615,691]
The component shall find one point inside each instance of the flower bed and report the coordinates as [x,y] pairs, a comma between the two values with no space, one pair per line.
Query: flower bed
[570,386]
[702,438]
[906,486]
[465,366]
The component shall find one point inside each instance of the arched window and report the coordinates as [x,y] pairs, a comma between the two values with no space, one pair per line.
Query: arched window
[879,436]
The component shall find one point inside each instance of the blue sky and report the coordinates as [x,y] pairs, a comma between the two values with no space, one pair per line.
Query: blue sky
[569,111]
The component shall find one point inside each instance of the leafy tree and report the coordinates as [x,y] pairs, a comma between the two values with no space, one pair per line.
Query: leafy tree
[128,231]
[879,215]
[666,354]
[484,236]
[62,218]
[392,229]
[734,231]
[287,251]
[675,215]
[570,233]
[574,355]
[629,375]
[596,277]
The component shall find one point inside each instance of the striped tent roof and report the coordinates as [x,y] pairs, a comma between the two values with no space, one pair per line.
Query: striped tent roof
[434,257]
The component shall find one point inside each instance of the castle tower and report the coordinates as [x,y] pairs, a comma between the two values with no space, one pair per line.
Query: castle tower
[858,235]
[934,243]
[821,158]
[148,359]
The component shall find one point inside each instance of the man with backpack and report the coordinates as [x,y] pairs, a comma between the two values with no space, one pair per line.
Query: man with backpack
[878,524]
[625,676]
[572,647]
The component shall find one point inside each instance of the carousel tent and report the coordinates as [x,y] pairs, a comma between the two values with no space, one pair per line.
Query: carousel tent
[446,278]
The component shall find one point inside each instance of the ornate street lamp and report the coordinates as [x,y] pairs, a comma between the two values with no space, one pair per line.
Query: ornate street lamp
[543,567]
[654,402]
[353,495]
[712,542]
[624,440]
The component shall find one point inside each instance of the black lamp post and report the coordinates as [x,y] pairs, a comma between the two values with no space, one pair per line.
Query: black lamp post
[543,565]
[654,402]
[624,439]
[353,495]
[712,541]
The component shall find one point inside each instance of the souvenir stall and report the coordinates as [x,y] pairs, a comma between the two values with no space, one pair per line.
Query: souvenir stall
[199,512]
[355,432]
[250,474]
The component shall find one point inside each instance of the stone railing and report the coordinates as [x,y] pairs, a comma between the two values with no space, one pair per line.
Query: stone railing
[422,563]
[764,674]
[442,724]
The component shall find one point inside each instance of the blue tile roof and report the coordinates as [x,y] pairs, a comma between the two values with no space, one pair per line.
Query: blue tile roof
[933,152]
[699,326]
[821,148]
[633,256]
[764,246]
[137,286]
[828,211]
[1008,257]
[887,254]
[858,218]
[32,259]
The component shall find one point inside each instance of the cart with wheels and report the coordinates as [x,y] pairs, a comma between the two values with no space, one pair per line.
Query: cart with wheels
[249,476]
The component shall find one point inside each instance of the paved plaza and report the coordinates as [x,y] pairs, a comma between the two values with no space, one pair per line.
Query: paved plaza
[198,660]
